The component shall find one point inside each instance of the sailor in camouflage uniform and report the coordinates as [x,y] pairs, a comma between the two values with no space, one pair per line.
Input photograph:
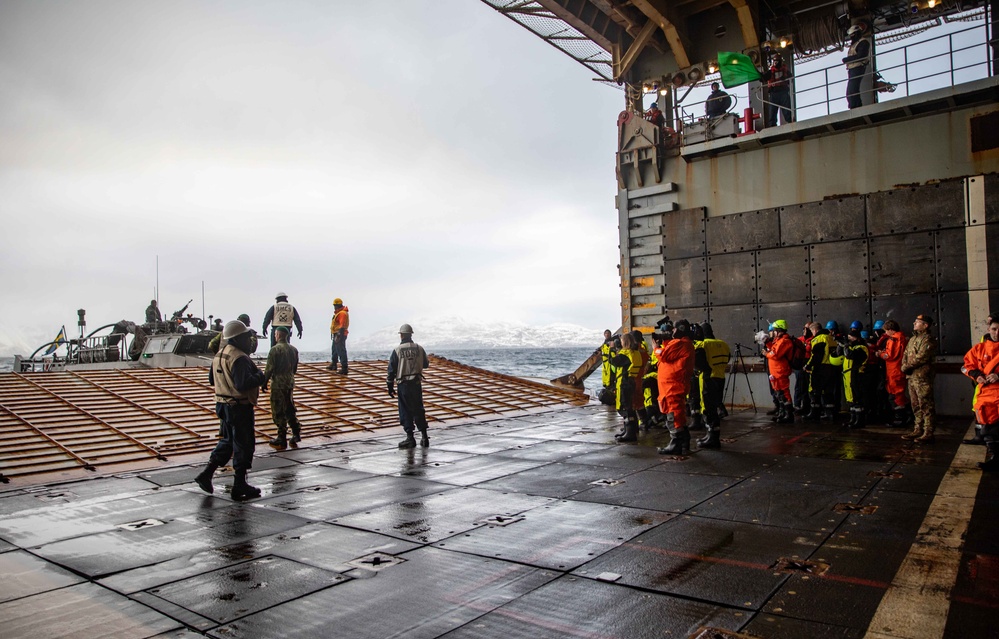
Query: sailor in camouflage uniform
[282,364]
[917,364]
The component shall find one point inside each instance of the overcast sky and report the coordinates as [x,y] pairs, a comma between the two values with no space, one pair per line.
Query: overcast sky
[414,157]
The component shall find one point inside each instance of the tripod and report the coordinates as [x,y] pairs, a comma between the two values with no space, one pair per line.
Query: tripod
[733,374]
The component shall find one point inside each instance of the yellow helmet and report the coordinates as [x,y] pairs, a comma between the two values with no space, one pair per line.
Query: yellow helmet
[338,302]
[781,324]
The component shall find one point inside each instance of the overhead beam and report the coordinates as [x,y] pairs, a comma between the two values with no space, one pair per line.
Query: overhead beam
[656,11]
[624,64]
[747,23]
[588,20]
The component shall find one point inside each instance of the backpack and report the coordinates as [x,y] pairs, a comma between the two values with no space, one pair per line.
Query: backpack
[798,354]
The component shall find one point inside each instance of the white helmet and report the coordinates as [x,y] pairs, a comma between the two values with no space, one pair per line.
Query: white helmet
[855,29]
[232,329]
[280,295]
[405,329]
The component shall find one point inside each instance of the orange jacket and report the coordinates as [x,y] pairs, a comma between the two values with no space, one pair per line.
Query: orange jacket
[341,320]
[676,366]
[982,360]
[780,356]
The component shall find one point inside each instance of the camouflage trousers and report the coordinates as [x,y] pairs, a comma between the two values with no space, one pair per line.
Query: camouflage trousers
[923,408]
[283,410]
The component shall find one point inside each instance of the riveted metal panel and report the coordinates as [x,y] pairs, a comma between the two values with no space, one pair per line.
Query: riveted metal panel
[732,278]
[823,221]
[991,199]
[694,315]
[919,208]
[903,264]
[743,231]
[735,324]
[844,312]
[683,233]
[951,260]
[783,275]
[904,308]
[647,263]
[954,325]
[796,314]
[686,283]
[839,270]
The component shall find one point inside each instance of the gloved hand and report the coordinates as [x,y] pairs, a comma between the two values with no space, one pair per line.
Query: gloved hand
[263,333]
[391,389]
[299,334]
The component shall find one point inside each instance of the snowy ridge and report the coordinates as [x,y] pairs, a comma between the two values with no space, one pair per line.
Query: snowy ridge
[458,333]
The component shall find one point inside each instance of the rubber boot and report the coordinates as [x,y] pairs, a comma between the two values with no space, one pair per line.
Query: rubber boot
[679,443]
[630,432]
[204,478]
[280,442]
[828,413]
[296,433]
[898,417]
[424,438]
[814,411]
[241,489]
[991,463]
[711,441]
[786,415]
[977,440]
[697,421]
[927,436]
[722,411]
[409,442]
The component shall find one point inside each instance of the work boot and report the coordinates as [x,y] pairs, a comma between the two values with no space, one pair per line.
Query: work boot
[712,440]
[343,371]
[775,410]
[679,443]
[424,438]
[409,442]
[722,411]
[898,417]
[991,462]
[241,489]
[786,415]
[814,413]
[331,367]
[296,433]
[927,436]
[280,442]
[828,413]
[204,478]
[977,440]
[861,419]
[630,432]
[697,421]
[917,432]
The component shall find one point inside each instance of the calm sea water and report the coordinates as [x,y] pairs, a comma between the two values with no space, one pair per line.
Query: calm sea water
[537,363]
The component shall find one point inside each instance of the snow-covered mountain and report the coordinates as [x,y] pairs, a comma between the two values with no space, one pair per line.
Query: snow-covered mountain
[458,333]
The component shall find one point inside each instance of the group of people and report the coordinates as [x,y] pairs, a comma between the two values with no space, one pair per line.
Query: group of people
[684,373]
[883,374]
[237,382]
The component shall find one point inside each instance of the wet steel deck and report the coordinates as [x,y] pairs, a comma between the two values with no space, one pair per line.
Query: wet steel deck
[528,526]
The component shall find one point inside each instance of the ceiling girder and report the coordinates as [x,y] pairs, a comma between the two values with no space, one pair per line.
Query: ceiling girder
[623,63]
[750,34]
[657,11]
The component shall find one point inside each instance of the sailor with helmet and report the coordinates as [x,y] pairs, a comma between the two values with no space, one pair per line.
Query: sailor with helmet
[282,313]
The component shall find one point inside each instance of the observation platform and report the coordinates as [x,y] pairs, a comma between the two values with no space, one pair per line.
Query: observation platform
[532,525]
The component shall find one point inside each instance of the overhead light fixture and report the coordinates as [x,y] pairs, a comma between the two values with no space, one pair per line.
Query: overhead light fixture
[931,3]
[664,91]
[712,68]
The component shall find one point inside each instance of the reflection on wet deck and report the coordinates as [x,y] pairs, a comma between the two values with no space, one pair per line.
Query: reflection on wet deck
[530,526]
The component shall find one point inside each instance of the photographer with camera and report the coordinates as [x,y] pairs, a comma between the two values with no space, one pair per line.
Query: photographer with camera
[778,352]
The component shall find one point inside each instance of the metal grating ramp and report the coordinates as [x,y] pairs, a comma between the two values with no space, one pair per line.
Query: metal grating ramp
[59,421]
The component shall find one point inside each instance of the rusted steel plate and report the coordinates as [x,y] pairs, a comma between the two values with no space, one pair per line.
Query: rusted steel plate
[92,419]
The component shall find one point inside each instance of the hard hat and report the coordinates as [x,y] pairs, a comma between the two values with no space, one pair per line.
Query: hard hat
[338,302]
[781,324]
[406,329]
[280,295]
[878,325]
[856,324]
[654,105]
[244,318]
[770,327]
[864,334]
[831,325]
[235,328]
[855,29]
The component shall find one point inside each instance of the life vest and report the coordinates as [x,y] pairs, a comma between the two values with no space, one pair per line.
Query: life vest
[410,357]
[718,354]
[605,370]
[225,386]
[284,314]
[823,338]
[853,51]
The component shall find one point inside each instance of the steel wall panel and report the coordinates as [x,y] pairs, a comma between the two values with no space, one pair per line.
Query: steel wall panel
[736,325]
[839,270]
[919,208]
[649,263]
[796,314]
[953,325]
[951,260]
[683,233]
[991,199]
[992,241]
[686,283]
[732,278]
[823,221]
[783,275]
[904,308]
[694,315]
[743,231]
[844,312]
[903,264]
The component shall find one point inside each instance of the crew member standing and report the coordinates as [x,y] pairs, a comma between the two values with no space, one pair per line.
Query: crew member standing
[153,315]
[282,364]
[405,367]
[894,348]
[855,376]
[237,382]
[217,342]
[978,439]
[718,355]
[655,116]
[718,102]
[917,366]
[857,59]
[778,79]
[282,314]
[606,352]
[823,375]
[338,333]
[628,364]
[981,364]
[779,354]
[676,367]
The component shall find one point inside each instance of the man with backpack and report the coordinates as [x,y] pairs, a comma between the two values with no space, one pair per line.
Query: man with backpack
[780,352]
